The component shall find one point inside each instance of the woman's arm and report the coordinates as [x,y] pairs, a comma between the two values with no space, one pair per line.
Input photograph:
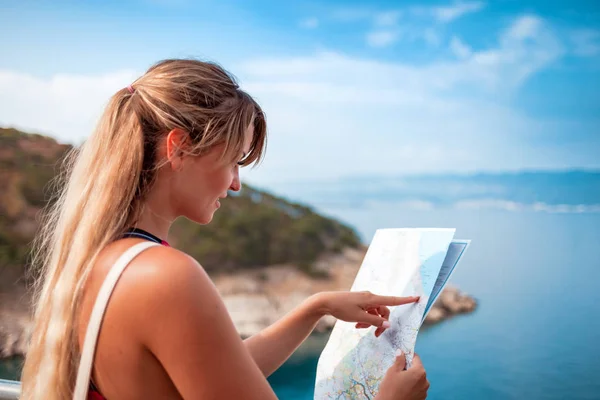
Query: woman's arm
[274,345]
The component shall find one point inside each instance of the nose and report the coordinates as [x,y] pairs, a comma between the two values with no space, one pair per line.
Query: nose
[236,185]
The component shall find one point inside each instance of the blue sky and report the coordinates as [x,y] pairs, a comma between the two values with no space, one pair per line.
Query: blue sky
[349,88]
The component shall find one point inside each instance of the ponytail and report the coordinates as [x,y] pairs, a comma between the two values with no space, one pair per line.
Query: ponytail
[93,206]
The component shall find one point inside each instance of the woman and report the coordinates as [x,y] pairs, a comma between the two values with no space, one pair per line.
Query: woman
[169,145]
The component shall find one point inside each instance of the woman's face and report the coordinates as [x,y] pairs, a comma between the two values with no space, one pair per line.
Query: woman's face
[203,181]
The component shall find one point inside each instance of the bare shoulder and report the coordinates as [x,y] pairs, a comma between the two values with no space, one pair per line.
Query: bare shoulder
[165,280]
[177,314]
[164,269]
[159,282]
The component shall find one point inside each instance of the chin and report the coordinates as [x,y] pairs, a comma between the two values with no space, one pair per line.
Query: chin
[202,219]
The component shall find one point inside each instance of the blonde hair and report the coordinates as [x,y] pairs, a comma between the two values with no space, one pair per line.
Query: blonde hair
[102,189]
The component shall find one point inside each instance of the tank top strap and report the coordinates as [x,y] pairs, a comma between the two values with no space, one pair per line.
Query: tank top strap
[91,336]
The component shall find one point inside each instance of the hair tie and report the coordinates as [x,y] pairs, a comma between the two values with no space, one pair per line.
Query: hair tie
[131,89]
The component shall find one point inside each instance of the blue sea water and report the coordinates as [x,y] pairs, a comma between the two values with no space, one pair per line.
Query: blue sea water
[536,332]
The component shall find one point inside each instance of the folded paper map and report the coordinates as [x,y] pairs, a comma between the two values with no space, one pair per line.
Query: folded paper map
[399,262]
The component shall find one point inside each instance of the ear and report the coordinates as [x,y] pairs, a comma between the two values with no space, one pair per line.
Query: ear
[176,142]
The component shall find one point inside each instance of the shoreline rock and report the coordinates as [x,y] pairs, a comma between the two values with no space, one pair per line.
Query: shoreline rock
[451,302]
[14,336]
[254,298]
[15,323]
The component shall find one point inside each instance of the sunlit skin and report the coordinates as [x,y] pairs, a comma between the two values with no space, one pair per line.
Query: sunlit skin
[166,332]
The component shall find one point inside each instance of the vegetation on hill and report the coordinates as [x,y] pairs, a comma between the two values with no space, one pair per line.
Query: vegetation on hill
[251,229]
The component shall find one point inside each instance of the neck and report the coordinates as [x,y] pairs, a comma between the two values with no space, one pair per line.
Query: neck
[158,212]
[155,223]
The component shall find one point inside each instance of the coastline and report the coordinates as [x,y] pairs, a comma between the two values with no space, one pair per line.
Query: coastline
[254,298]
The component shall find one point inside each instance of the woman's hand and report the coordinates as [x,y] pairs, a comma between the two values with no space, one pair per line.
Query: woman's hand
[365,308]
[404,384]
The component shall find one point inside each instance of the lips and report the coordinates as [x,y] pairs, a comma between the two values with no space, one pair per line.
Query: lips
[218,202]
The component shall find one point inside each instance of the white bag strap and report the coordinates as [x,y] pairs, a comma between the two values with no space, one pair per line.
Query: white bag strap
[91,336]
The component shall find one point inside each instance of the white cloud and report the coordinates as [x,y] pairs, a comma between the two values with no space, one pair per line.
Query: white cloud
[387,18]
[387,30]
[352,14]
[585,42]
[526,26]
[500,68]
[66,106]
[309,23]
[331,115]
[459,49]
[443,14]
[382,38]
[457,10]
[432,37]
[359,116]
[528,45]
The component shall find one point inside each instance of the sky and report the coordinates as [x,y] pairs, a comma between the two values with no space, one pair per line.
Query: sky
[349,88]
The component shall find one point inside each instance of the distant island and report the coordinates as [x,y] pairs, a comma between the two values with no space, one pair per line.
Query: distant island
[265,253]
[559,191]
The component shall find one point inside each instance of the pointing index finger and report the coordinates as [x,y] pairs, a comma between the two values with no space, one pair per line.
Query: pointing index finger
[394,300]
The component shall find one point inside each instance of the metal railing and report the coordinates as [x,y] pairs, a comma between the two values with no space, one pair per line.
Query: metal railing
[9,390]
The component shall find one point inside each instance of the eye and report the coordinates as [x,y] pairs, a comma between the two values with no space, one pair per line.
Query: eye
[242,159]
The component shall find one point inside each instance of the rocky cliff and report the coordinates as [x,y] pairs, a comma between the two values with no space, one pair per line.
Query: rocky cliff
[254,298]
[264,253]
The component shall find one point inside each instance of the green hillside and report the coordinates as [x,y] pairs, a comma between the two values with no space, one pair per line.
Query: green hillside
[251,229]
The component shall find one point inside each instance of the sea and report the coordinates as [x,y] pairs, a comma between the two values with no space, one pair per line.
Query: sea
[536,331]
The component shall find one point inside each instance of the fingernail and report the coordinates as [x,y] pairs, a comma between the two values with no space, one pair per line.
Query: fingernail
[398,352]
[386,324]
